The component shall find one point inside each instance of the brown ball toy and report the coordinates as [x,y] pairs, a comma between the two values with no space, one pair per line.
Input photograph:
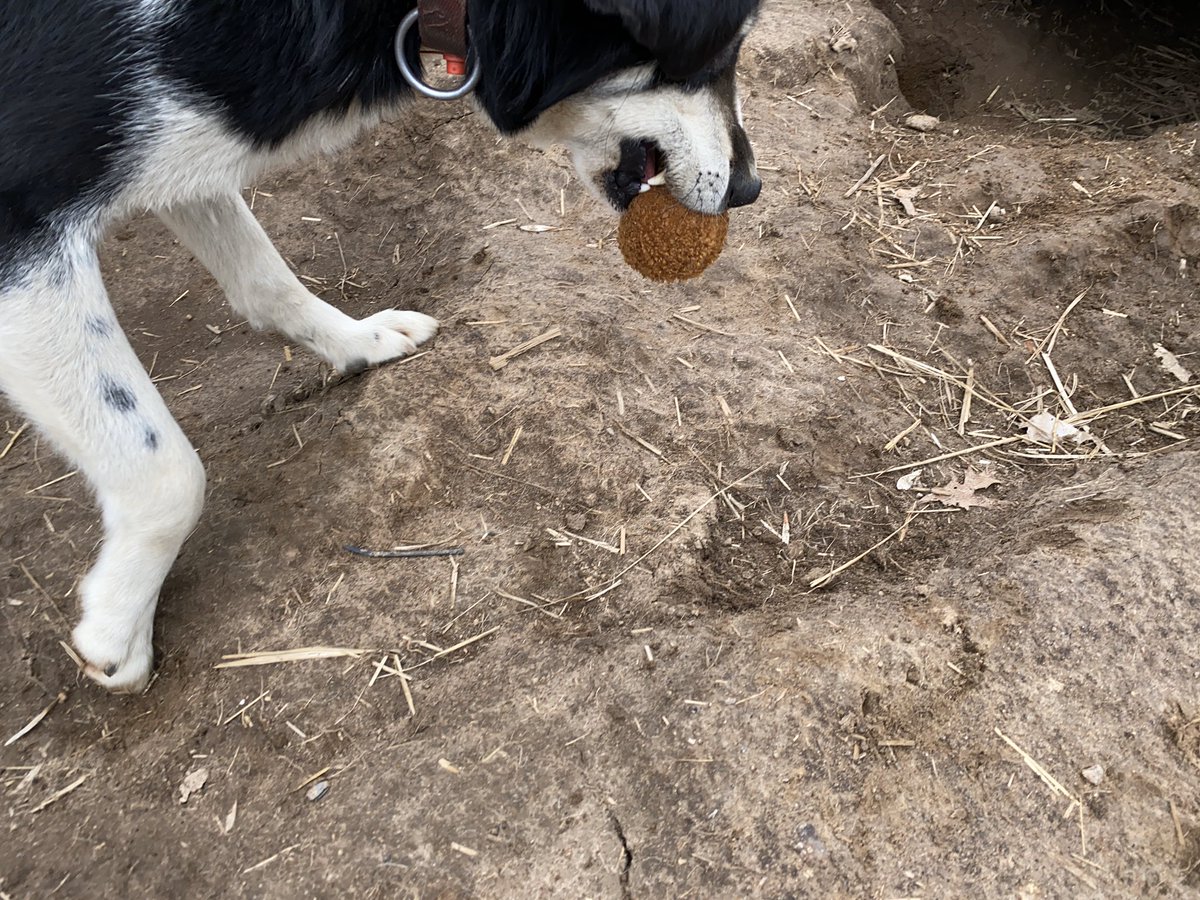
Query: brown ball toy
[666,241]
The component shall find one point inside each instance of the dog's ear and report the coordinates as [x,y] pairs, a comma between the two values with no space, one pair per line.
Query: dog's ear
[683,35]
[535,53]
[642,18]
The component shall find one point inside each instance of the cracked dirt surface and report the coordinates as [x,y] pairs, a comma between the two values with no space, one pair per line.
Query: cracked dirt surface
[698,722]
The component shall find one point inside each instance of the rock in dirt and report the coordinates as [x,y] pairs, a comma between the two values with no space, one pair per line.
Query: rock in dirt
[922,123]
[1093,774]
[192,783]
[844,43]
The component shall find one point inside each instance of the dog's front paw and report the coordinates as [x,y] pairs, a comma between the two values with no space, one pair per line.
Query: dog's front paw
[381,338]
[115,657]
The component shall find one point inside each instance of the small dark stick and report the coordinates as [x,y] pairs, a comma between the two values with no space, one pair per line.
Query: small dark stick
[403,554]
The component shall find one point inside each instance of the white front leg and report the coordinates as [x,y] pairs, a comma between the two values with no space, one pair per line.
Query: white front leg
[224,235]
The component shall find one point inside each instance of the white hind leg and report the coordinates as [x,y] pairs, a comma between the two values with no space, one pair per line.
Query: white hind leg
[66,364]
[229,242]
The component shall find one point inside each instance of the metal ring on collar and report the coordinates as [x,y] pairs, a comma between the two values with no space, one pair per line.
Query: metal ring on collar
[416,80]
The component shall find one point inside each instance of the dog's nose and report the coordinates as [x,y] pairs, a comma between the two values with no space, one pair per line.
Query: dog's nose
[744,188]
[744,183]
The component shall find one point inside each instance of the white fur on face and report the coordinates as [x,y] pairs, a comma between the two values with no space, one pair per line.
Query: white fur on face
[691,128]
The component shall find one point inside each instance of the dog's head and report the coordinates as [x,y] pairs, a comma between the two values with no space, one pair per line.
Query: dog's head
[640,92]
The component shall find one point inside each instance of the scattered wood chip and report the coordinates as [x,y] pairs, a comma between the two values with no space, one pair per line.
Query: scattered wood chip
[274,657]
[27,780]
[58,795]
[419,552]
[978,448]
[270,859]
[512,445]
[464,644]
[408,697]
[499,362]
[51,483]
[996,332]
[36,720]
[1038,769]
[1179,835]
[825,579]
[857,186]
[642,442]
[230,819]
[16,436]
[311,778]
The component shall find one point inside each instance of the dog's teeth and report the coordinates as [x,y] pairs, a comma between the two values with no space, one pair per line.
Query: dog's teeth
[645,187]
[658,180]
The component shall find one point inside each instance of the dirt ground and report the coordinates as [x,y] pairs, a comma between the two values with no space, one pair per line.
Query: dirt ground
[628,685]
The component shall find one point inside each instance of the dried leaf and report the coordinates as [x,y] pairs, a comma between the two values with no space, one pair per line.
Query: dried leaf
[964,494]
[538,229]
[975,480]
[193,783]
[1170,362]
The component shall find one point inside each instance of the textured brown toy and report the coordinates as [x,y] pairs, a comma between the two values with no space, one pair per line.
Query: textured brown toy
[666,241]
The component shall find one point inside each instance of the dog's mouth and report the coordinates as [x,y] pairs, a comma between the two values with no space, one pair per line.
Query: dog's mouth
[643,165]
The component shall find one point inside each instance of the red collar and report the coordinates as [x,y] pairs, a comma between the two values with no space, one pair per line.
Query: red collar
[443,27]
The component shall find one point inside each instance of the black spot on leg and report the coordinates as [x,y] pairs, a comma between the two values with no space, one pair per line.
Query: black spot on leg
[98,326]
[110,670]
[117,396]
[357,367]
[151,439]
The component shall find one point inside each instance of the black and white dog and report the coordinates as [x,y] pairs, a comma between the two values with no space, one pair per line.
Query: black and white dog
[112,107]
